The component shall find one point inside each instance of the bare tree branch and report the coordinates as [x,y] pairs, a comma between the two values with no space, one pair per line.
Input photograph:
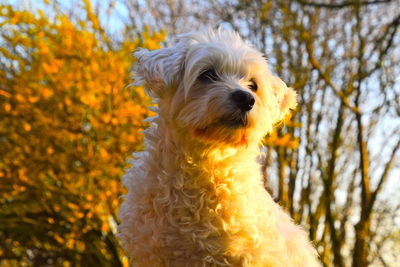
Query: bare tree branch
[343,4]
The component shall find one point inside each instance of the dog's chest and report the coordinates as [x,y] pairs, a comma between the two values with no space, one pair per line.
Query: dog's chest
[210,212]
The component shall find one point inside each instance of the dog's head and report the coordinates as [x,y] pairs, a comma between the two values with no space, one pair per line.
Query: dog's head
[215,87]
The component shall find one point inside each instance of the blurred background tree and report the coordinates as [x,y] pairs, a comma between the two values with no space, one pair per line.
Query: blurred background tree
[67,123]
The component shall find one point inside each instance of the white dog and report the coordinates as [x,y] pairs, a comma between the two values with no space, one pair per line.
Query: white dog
[196,195]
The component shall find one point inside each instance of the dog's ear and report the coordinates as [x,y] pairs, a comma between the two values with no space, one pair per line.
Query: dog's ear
[286,95]
[159,69]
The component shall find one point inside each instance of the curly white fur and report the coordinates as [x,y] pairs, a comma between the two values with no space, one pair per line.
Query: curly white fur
[196,195]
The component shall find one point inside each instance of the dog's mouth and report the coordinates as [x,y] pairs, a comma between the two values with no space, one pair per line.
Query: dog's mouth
[234,122]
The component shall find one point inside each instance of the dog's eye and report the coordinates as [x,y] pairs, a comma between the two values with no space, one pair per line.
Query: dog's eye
[253,85]
[208,75]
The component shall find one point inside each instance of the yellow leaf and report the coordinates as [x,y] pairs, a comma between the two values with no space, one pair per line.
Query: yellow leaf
[20,98]
[46,93]
[104,228]
[26,126]
[68,101]
[106,118]
[33,99]
[58,238]
[104,154]
[50,150]
[114,121]
[4,93]
[7,107]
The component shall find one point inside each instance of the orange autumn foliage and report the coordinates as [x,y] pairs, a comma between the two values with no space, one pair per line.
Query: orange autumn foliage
[68,121]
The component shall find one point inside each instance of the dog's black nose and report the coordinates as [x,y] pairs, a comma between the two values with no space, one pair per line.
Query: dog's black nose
[243,100]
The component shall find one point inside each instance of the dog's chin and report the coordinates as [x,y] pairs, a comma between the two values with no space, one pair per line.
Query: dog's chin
[232,131]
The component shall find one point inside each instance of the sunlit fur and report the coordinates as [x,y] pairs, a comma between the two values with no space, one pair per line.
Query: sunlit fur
[195,194]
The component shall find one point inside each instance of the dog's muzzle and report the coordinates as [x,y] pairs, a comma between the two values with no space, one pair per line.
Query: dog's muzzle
[243,103]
